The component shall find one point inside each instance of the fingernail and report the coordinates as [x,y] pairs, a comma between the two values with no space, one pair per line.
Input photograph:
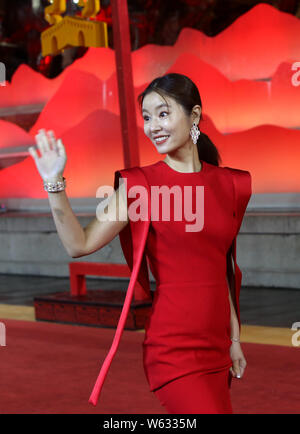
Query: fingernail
[238,376]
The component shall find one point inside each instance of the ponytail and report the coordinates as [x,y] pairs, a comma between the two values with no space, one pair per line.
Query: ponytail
[207,151]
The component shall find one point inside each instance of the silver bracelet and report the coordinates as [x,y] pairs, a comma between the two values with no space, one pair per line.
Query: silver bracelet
[235,339]
[55,187]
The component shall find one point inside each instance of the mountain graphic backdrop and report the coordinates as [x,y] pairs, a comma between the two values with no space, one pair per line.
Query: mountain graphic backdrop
[249,81]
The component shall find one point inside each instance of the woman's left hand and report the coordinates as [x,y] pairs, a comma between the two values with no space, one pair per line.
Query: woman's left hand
[238,360]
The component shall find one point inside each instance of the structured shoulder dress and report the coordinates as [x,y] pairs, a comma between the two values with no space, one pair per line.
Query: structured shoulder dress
[186,348]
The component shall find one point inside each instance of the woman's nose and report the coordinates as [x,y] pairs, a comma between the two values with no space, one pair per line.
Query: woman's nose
[154,126]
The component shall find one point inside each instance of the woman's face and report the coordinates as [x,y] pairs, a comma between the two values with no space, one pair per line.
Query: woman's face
[168,127]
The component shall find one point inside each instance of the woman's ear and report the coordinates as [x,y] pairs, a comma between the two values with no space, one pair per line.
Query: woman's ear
[196,114]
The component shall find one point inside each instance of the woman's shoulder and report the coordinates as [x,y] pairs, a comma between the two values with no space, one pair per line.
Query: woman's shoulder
[239,176]
[143,168]
[241,180]
[151,167]
[234,170]
[137,175]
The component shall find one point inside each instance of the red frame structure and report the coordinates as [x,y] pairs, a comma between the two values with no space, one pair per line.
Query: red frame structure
[79,270]
[122,48]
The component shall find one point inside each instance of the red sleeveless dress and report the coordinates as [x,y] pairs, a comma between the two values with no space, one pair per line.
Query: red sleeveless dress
[189,326]
[188,329]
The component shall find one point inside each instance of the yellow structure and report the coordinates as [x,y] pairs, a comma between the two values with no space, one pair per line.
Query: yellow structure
[73,31]
[90,8]
[54,11]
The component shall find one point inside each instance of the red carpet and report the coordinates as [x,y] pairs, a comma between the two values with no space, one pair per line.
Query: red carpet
[51,368]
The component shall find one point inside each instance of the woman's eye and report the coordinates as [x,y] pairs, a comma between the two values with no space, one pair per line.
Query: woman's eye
[146,118]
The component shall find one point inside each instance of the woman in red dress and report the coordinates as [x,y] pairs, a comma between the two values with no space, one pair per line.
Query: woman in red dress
[191,345]
[191,349]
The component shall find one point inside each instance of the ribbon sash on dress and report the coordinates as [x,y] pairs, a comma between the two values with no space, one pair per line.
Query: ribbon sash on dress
[133,239]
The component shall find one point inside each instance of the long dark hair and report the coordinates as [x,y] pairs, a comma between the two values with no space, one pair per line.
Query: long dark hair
[185,92]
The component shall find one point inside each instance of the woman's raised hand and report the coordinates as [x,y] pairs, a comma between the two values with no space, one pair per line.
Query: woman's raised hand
[53,157]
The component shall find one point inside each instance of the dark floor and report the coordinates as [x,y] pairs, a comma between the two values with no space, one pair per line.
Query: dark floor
[272,307]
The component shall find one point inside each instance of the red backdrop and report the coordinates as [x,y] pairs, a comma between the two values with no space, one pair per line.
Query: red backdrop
[249,80]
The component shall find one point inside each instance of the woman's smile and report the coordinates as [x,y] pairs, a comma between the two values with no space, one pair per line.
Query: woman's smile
[161,139]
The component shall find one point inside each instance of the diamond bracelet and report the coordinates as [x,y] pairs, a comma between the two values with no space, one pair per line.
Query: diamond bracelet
[55,187]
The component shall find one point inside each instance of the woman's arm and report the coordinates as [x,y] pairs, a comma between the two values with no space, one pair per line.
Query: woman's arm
[107,225]
[234,323]
[237,356]
[79,241]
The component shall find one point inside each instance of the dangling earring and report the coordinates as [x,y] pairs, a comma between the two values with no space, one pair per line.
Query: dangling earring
[195,133]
